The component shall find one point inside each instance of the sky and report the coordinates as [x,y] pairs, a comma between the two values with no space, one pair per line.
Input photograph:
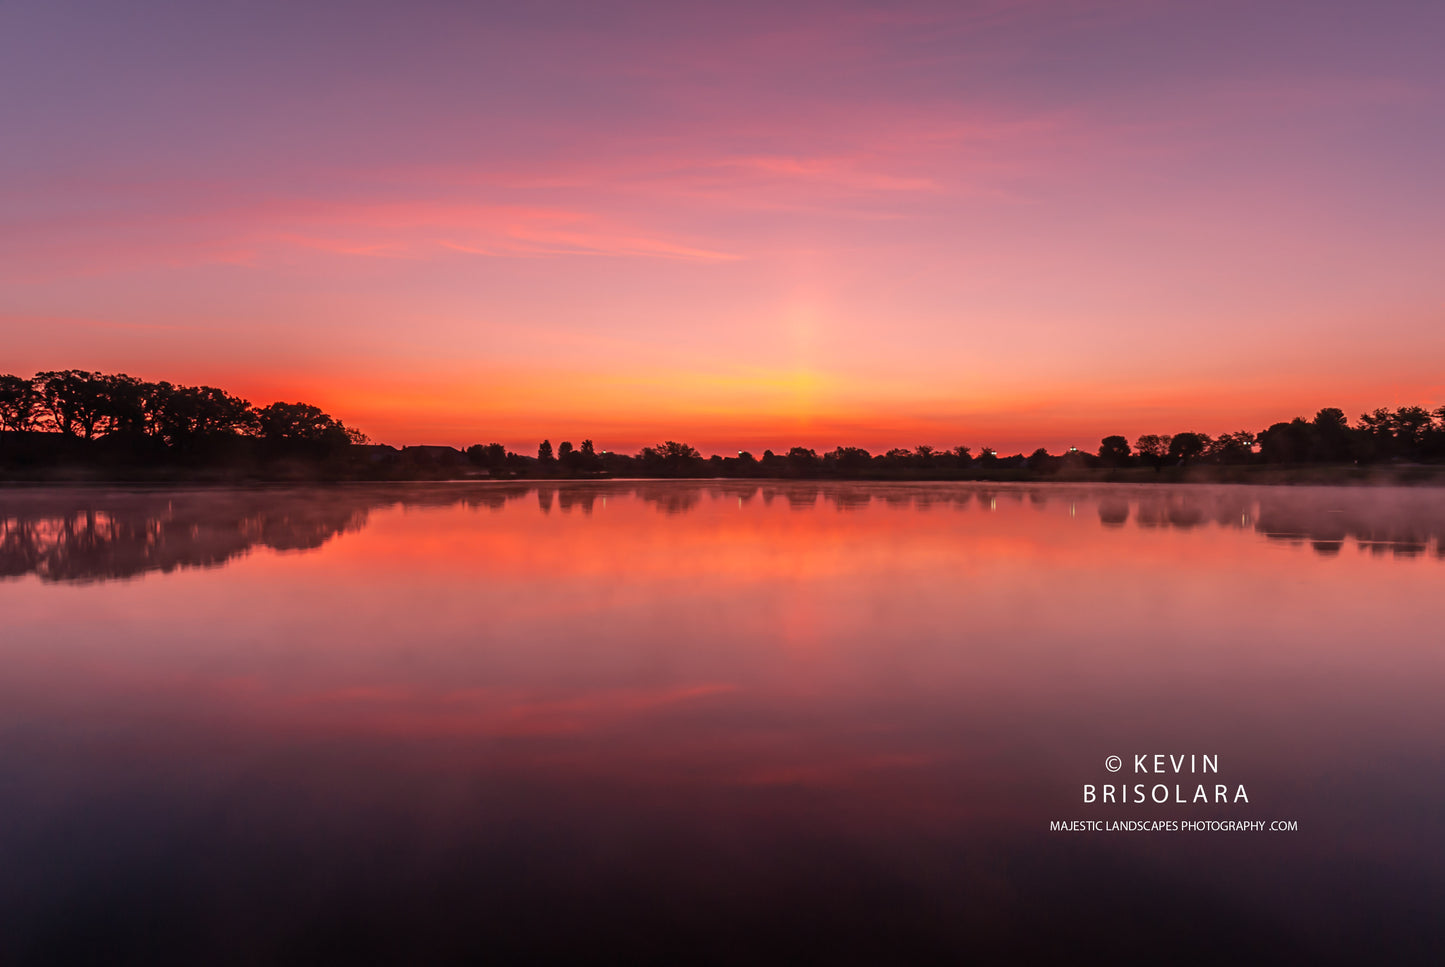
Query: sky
[741,225]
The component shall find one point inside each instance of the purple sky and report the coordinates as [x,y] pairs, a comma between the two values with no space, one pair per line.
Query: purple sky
[1001,224]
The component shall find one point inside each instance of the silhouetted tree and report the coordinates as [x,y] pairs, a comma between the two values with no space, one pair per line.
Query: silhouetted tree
[1291,442]
[299,422]
[73,401]
[1331,436]
[181,415]
[1041,461]
[544,452]
[1232,447]
[1114,451]
[587,457]
[1410,424]
[1435,438]
[18,402]
[1154,448]
[803,462]
[492,456]
[898,458]
[670,459]
[850,459]
[124,408]
[1184,447]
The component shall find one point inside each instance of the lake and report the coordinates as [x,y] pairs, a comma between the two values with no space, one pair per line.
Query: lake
[721,722]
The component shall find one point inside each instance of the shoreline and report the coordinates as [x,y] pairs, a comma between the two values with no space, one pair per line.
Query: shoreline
[1414,475]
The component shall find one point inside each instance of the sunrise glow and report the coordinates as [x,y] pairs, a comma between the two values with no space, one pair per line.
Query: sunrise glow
[995,224]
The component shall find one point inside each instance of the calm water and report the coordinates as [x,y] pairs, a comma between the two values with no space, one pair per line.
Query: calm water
[717,723]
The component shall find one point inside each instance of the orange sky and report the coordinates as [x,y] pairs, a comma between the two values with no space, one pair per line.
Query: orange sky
[990,224]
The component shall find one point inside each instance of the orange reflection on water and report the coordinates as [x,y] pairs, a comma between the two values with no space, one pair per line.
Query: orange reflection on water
[584,609]
[705,689]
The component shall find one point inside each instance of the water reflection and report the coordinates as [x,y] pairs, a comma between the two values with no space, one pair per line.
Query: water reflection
[718,722]
[87,535]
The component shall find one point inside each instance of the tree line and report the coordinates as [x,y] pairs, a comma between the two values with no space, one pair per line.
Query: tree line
[1407,434]
[153,421]
[83,405]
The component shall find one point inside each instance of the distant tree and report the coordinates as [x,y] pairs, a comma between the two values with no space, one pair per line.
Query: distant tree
[1232,447]
[1114,451]
[492,456]
[924,454]
[544,452]
[1041,461]
[1380,433]
[181,415]
[963,456]
[1332,436]
[1154,447]
[567,456]
[299,422]
[587,450]
[516,463]
[850,459]
[74,402]
[18,402]
[672,450]
[988,457]
[670,459]
[125,408]
[898,458]
[803,461]
[1410,424]
[1292,442]
[1435,436]
[1184,447]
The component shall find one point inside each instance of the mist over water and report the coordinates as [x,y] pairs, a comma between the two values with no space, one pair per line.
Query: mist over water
[715,722]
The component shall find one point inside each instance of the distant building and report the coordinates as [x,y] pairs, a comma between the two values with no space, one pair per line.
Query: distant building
[433,455]
[374,452]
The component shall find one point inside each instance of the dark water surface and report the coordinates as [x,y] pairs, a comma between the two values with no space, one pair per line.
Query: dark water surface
[702,723]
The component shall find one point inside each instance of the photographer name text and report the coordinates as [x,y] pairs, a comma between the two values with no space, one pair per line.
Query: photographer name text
[1179,793]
